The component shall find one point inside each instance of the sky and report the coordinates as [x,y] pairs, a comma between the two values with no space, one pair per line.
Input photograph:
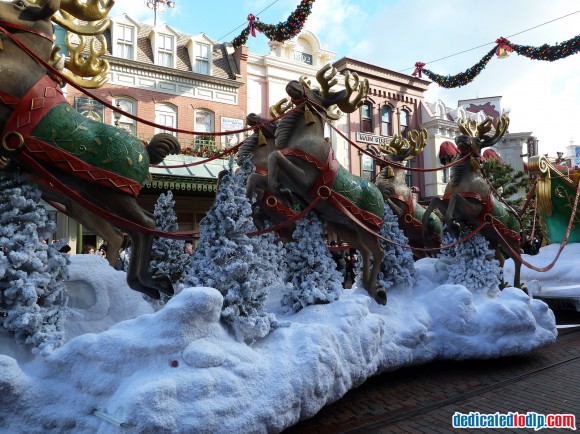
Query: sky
[544,97]
[180,370]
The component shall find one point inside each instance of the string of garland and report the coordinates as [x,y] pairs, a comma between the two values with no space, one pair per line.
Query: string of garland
[546,52]
[279,32]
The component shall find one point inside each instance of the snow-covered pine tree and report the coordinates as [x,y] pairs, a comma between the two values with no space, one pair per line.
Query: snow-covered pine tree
[311,269]
[228,260]
[397,265]
[32,273]
[474,265]
[167,256]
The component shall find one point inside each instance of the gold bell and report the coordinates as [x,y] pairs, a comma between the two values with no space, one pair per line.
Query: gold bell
[308,116]
[502,53]
[261,138]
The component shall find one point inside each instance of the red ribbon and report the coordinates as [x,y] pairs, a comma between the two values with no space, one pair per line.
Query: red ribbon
[252,24]
[418,68]
[502,43]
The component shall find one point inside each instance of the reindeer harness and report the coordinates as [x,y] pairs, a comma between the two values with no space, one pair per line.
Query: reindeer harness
[359,197]
[45,127]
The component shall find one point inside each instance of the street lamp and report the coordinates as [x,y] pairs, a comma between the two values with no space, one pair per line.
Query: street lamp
[117,114]
[159,5]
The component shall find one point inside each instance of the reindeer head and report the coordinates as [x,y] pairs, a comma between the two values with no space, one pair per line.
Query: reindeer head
[300,91]
[473,138]
[27,14]
[401,149]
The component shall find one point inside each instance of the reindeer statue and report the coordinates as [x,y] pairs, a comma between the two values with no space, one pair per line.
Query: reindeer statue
[258,147]
[95,165]
[468,200]
[397,194]
[304,164]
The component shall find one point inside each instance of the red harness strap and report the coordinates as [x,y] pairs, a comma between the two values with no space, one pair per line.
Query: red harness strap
[323,186]
[486,214]
[27,114]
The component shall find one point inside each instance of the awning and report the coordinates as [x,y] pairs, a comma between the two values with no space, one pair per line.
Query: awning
[490,153]
[448,149]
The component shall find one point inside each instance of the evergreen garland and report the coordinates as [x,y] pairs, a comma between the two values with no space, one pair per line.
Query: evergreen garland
[545,52]
[279,32]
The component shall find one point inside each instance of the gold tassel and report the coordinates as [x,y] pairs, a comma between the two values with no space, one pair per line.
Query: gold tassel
[308,116]
[475,165]
[390,172]
[261,138]
[1,45]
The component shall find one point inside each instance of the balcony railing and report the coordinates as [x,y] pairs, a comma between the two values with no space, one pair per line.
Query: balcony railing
[202,146]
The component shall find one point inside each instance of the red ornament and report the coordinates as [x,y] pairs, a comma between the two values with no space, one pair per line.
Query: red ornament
[252,24]
[418,68]
[503,49]
[174,363]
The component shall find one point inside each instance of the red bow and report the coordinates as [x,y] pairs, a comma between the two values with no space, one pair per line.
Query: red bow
[418,68]
[252,24]
[502,44]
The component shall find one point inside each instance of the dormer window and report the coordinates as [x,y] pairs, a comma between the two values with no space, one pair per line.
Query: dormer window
[200,50]
[125,41]
[202,58]
[165,44]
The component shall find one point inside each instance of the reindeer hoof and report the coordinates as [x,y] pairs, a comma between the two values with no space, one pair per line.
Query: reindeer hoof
[136,285]
[381,296]
[163,284]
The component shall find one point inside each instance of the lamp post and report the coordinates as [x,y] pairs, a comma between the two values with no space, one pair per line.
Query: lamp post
[117,114]
[158,5]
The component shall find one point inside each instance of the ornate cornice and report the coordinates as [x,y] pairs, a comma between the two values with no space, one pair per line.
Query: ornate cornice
[182,183]
[142,69]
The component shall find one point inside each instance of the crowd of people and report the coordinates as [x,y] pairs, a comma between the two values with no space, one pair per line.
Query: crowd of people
[346,261]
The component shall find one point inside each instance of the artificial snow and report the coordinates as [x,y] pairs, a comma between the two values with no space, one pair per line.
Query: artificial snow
[181,370]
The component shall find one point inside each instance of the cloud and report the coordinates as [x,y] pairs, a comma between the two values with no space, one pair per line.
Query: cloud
[544,97]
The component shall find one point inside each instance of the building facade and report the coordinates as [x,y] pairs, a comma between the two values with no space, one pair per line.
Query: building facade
[441,125]
[391,107]
[177,80]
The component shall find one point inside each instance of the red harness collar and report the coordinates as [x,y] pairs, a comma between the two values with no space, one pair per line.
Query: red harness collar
[15,26]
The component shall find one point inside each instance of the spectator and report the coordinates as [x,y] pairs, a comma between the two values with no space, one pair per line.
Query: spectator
[188,248]
[351,262]
[88,249]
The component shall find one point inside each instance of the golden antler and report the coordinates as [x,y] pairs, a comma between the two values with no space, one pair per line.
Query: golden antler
[87,10]
[471,128]
[66,21]
[83,66]
[326,81]
[280,107]
[402,149]
[362,88]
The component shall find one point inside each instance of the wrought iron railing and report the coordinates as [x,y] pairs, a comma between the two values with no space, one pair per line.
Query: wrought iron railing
[202,146]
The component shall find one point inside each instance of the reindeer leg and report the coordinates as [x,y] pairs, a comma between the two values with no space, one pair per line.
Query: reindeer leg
[435,203]
[278,162]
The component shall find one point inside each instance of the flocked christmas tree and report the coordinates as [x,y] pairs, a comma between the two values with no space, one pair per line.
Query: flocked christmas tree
[311,268]
[397,265]
[472,264]
[167,256]
[32,273]
[231,262]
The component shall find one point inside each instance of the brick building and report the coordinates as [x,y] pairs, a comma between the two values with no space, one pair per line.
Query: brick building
[179,80]
[391,107]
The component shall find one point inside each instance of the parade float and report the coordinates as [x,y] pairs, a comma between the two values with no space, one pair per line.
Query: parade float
[244,346]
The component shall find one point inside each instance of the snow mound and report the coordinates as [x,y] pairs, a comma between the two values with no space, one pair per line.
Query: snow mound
[98,296]
[180,370]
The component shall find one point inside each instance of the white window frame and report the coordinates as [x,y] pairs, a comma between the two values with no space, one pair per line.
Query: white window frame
[165,114]
[198,126]
[122,43]
[202,63]
[162,50]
